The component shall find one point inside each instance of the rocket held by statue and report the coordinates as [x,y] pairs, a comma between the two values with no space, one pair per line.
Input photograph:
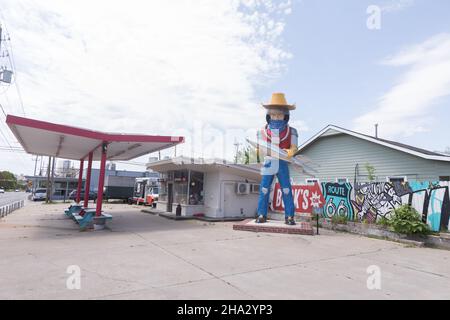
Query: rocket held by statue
[276,152]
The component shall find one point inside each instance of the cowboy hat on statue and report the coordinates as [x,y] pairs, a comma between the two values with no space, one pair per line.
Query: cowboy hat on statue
[278,133]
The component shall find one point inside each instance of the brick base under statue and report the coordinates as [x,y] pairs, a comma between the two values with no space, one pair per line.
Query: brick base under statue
[273,226]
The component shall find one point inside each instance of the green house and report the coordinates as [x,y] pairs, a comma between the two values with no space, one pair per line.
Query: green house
[341,155]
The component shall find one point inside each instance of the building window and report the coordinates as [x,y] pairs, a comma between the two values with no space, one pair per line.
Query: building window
[180,192]
[180,186]
[163,191]
[196,188]
[444,178]
[342,180]
[397,179]
[187,187]
[312,181]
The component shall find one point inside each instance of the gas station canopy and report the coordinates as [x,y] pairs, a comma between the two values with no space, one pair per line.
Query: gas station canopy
[67,142]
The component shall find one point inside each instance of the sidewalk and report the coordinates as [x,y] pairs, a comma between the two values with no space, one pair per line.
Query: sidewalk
[144,256]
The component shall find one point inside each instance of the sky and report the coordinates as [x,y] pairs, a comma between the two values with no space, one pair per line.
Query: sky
[201,69]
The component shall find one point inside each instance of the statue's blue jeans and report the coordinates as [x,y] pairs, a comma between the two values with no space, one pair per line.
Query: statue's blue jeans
[279,168]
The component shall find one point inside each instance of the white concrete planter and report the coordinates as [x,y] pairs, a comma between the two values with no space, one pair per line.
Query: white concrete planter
[374,230]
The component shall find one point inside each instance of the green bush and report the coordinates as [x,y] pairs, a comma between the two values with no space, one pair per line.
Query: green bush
[383,222]
[336,219]
[407,220]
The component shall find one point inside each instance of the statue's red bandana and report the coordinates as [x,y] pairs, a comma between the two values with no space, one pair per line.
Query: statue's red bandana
[285,137]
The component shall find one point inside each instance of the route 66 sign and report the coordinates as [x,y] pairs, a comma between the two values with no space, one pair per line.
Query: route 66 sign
[337,199]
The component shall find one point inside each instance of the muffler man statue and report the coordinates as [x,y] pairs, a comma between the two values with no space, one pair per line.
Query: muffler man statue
[277,134]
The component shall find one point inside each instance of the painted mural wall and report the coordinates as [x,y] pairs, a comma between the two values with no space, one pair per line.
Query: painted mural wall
[372,201]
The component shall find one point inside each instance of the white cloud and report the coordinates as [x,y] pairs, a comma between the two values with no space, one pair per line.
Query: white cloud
[300,125]
[152,67]
[407,107]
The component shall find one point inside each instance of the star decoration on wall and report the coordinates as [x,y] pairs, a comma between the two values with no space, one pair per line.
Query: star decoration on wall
[315,200]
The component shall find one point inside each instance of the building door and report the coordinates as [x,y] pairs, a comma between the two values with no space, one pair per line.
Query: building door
[230,202]
[169,197]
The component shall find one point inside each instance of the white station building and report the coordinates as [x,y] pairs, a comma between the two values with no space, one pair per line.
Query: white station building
[210,188]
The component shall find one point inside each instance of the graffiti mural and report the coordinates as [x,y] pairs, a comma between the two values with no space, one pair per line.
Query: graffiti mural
[374,200]
[337,200]
[306,198]
[371,201]
[431,199]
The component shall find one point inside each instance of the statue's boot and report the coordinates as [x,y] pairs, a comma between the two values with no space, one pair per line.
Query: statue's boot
[261,219]
[290,221]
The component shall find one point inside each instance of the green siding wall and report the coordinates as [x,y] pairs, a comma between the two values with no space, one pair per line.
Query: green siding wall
[336,157]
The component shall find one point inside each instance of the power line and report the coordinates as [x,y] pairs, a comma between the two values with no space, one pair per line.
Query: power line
[140,164]
[10,55]
[12,149]
[20,95]
[7,87]
[9,150]
[4,136]
[6,139]
[3,110]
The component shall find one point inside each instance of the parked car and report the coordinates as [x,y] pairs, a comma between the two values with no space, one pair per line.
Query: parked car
[2,190]
[92,195]
[40,195]
[17,190]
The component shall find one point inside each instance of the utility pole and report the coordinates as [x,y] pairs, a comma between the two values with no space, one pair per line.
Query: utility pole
[40,167]
[35,165]
[236,144]
[52,179]
[5,74]
[48,180]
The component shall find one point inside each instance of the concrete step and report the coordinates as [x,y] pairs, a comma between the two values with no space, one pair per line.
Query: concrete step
[272,226]
[300,217]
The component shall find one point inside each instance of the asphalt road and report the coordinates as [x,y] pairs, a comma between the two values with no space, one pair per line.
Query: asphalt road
[9,197]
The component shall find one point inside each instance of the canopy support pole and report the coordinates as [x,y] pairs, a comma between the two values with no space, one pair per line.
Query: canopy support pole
[101,180]
[87,186]
[80,181]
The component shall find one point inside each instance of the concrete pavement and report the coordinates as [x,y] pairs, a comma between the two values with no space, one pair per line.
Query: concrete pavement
[148,257]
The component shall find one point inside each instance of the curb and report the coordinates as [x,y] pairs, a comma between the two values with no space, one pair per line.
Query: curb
[377,232]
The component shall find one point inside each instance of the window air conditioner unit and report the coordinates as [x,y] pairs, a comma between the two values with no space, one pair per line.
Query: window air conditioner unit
[242,188]
[255,188]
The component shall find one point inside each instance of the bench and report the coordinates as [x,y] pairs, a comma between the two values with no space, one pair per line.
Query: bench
[84,220]
[74,208]
[100,222]
[89,218]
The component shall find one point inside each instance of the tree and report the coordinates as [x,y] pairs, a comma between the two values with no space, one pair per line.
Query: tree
[8,180]
[370,172]
[247,155]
